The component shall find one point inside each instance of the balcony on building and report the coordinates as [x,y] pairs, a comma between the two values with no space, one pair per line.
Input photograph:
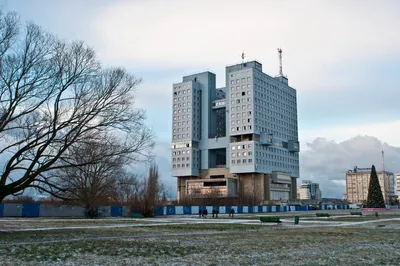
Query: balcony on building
[266,138]
[293,146]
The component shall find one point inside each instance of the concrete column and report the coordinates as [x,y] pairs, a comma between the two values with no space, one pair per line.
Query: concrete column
[294,188]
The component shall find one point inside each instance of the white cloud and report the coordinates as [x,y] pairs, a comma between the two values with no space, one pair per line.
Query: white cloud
[385,131]
[314,35]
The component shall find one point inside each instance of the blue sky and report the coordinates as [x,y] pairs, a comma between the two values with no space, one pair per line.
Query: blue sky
[343,57]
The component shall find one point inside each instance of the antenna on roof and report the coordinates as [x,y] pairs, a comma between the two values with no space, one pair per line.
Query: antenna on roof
[243,56]
[280,62]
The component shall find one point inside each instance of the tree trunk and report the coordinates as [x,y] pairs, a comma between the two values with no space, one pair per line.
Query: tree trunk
[91,212]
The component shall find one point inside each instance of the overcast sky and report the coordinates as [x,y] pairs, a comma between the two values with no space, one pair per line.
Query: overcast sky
[343,57]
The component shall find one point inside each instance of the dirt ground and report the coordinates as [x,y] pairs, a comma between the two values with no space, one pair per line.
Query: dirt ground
[338,240]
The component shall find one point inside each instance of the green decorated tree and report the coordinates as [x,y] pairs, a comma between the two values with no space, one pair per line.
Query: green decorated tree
[375,197]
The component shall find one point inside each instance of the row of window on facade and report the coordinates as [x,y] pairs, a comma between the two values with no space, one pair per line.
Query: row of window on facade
[183,123]
[179,159]
[240,154]
[240,101]
[243,121]
[243,128]
[185,152]
[241,108]
[181,129]
[187,165]
[243,146]
[244,161]
[182,111]
[182,105]
[177,93]
[184,98]
[243,80]
[262,163]
[243,114]
[238,88]
[275,157]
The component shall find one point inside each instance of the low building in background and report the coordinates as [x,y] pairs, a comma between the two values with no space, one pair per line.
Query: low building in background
[344,196]
[309,190]
[357,185]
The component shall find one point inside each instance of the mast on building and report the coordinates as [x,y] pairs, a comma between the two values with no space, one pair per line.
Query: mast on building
[280,62]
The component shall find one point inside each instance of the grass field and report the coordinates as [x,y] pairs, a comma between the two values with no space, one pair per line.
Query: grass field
[190,241]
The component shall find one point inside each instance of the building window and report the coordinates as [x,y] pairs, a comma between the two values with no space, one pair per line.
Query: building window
[233,148]
[233,154]
[233,161]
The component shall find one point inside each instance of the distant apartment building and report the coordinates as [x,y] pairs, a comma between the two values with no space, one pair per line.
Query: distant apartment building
[239,140]
[357,185]
[398,185]
[309,190]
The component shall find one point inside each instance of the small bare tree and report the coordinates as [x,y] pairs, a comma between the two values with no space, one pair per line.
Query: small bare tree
[154,192]
[53,97]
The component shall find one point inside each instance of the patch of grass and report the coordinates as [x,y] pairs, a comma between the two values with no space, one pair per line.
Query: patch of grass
[208,244]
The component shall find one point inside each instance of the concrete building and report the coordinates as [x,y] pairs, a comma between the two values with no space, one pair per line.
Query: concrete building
[309,190]
[357,185]
[236,141]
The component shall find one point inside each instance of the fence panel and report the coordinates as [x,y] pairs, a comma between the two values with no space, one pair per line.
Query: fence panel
[116,211]
[31,210]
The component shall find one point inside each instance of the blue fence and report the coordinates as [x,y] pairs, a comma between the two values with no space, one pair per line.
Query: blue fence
[43,210]
[31,210]
[116,211]
[187,210]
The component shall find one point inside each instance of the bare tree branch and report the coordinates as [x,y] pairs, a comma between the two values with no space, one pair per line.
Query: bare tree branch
[53,97]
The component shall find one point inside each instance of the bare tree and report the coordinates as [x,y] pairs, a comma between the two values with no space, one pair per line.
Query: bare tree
[93,179]
[129,189]
[154,192]
[53,96]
